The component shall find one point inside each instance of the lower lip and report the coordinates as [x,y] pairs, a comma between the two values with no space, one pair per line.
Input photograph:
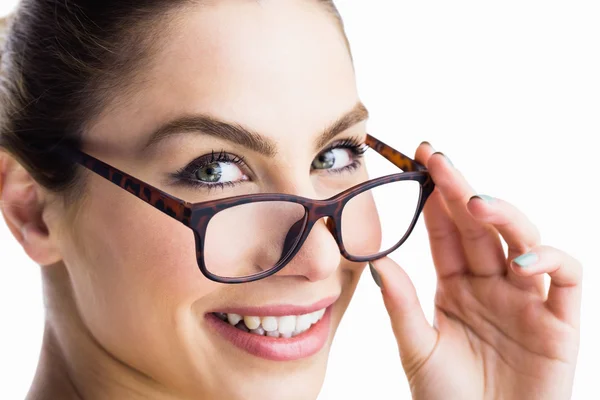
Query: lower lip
[304,345]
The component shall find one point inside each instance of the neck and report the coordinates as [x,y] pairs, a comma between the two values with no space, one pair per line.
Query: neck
[52,378]
[72,364]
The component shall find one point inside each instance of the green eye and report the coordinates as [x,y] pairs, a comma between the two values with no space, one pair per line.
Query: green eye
[210,173]
[213,171]
[324,160]
[334,159]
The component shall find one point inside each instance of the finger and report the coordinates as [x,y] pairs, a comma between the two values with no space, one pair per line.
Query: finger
[519,233]
[416,338]
[481,243]
[564,295]
[444,239]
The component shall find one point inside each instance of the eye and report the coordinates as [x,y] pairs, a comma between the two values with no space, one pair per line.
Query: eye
[333,159]
[340,157]
[219,172]
[213,171]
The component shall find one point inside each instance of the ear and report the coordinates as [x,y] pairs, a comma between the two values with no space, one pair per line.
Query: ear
[23,209]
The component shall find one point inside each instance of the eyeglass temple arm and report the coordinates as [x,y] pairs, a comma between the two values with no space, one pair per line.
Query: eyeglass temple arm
[400,160]
[170,205]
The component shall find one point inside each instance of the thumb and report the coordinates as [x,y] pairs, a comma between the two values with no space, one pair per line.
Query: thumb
[415,336]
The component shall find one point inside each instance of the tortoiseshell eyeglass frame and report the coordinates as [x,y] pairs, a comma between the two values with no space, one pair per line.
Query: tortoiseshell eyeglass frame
[196,216]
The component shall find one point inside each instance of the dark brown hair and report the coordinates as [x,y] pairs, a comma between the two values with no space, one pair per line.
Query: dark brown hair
[62,60]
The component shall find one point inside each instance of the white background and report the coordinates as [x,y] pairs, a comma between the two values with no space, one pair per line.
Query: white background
[509,90]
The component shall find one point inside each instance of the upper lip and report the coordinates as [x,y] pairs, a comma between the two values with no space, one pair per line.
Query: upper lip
[280,310]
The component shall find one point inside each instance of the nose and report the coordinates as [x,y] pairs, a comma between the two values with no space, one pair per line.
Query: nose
[319,255]
[291,237]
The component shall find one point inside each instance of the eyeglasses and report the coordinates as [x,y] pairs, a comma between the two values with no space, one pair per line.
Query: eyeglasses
[250,237]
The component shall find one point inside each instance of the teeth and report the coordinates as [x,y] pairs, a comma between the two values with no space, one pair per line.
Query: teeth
[303,322]
[320,314]
[252,322]
[258,331]
[269,324]
[234,318]
[314,317]
[286,326]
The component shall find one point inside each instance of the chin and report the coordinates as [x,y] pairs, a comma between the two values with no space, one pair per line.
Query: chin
[290,384]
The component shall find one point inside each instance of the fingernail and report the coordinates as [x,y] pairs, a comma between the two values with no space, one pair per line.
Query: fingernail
[526,260]
[375,275]
[425,142]
[446,157]
[486,198]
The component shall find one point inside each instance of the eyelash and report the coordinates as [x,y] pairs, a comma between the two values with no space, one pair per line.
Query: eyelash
[356,147]
[185,175]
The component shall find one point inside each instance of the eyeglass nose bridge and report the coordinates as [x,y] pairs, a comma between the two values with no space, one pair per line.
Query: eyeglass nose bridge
[331,210]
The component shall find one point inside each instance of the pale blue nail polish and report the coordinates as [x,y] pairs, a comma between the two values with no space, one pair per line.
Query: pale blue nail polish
[526,260]
[445,156]
[449,161]
[486,198]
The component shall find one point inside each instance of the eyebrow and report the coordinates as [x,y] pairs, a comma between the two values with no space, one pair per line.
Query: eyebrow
[238,134]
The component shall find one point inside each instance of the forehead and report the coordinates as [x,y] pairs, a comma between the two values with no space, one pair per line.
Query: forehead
[267,65]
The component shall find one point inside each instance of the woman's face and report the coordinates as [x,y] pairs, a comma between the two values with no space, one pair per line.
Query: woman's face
[282,71]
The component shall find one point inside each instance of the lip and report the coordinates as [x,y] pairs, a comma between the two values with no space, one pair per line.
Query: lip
[279,310]
[278,349]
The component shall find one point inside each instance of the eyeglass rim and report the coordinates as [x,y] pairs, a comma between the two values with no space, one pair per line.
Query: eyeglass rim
[192,214]
[314,210]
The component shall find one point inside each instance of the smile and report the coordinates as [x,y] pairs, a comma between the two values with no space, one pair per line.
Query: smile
[286,326]
[280,333]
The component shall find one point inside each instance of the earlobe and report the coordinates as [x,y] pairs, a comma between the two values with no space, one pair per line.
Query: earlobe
[23,209]
[38,244]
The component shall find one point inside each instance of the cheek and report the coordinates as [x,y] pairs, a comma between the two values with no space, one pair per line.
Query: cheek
[243,240]
[378,219]
[135,275]
[361,226]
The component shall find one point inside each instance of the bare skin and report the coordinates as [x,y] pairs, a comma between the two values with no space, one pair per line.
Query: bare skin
[125,307]
[498,334]
[125,300]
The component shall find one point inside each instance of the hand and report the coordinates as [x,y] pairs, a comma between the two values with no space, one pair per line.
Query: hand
[497,334]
